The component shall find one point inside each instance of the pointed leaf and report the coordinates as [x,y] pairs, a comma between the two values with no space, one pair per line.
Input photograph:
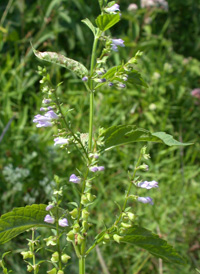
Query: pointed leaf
[151,242]
[56,58]
[124,134]
[168,139]
[106,21]
[90,25]
[21,219]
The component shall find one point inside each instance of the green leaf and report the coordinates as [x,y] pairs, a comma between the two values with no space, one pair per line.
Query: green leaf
[90,25]
[106,21]
[124,134]
[21,219]
[135,78]
[101,2]
[56,58]
[153,243]
[168,139]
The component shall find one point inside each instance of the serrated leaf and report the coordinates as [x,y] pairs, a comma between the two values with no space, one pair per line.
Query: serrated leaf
[135,78]
[106,21]
[21,219]
[158,247]
[59,59]
[124,134]
[90,25]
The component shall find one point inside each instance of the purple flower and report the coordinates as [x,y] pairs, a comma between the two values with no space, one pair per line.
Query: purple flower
[49,207]
[43,121]
[48,219]
[148,185]
[117,42]
[121,85]
[145,200]
[46,101]
[113,8]
[94,168]
[102,80]
[110,84]
[74,179]
[96,156]
[101,168]
[84,79]
[51,114]
[63,222]
[61,141]
[42,109]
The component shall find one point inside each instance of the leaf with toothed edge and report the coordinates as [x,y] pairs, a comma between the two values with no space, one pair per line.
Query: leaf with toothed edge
[59,59]
[21,219]
[124,134]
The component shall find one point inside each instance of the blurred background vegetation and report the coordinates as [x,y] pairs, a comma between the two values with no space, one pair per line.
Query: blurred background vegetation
[170,41]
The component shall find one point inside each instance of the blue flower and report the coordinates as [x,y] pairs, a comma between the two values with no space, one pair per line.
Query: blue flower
[117,42]
[148,185]
[48,219]
[63,222]
[74,179]
[61,141]
[84,79]
[113,8]
[145,200]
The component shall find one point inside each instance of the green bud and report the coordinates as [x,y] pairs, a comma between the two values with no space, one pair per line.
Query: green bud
[90,197]
[125,217]
[131,216]
[70,236]
[65,258]
[55,257]
[60,272]
[50,241]
[84,200]
[52,271]
[80,239]
[143,150]
[27,254]
[125,225]
[85,225]
[117,238]
[122,230]
[76,228]
[85,214]
[74,213]
[106,238]
[30,268]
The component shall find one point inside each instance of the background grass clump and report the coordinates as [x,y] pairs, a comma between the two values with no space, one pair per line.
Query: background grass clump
[170,65]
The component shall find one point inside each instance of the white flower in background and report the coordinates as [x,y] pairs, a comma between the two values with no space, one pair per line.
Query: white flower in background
[132,7]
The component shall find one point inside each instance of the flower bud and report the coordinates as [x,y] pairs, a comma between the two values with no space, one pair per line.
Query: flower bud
[80,239]
[90,197]
[106,238]
[65,258]
[84,200]
[125,225]
[85,214]
[27,254]
[30,268]
[125,217]
[131,216]
[52,271]
[74,213]
[117,238]
[85,225]
[55,257]
[70,236]
[76,228]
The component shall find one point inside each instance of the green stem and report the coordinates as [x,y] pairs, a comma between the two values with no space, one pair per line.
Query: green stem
[33,249]
[68,128]
[82,192]
[93,60]
[82,265]
[58,241]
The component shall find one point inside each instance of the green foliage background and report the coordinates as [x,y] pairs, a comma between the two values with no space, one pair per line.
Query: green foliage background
[170,65]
